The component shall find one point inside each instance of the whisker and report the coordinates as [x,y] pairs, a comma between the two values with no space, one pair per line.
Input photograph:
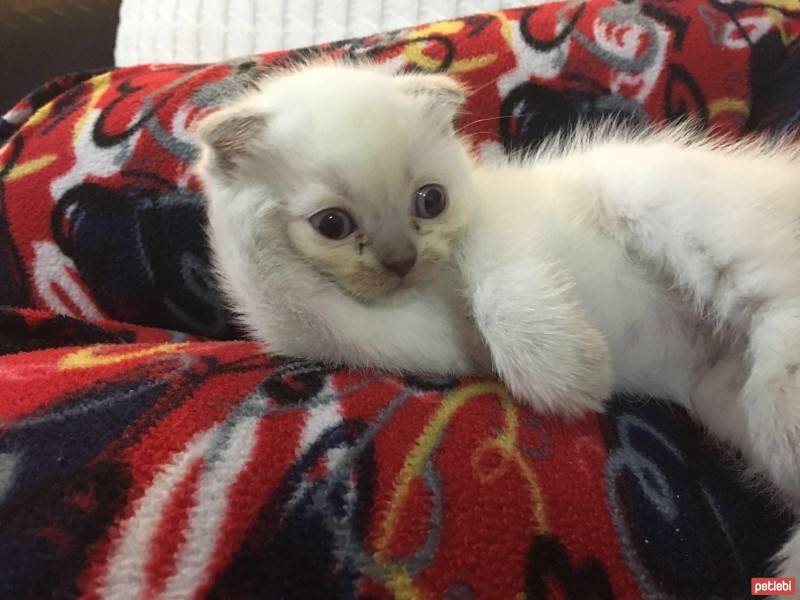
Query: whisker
[480,88]
[477,133]
[476,121]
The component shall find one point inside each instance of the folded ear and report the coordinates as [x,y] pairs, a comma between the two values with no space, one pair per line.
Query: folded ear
[231,136]
[445,95]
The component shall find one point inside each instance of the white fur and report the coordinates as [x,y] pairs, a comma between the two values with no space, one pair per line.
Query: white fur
[659,263]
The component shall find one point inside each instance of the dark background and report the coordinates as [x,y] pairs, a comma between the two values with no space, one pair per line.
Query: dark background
[42,39]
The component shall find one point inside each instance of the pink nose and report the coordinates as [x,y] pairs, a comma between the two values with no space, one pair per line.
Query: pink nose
[401,266]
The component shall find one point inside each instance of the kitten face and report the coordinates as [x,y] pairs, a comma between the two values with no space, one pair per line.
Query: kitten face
[373,183]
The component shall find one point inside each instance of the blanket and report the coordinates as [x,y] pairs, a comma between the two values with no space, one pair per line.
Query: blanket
[147,450]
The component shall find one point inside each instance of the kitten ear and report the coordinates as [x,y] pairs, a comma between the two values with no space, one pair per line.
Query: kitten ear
[230,136]
[445,94]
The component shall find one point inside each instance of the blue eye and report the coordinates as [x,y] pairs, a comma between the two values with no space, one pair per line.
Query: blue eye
[333,223]
[430,201]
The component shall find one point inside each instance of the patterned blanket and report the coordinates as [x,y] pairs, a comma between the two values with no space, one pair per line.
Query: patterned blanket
[146,451]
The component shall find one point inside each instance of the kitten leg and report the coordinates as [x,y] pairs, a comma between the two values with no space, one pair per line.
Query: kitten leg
[734,251]
[747,280]
[722,224]
[542,344]
[731,244]
[752,292]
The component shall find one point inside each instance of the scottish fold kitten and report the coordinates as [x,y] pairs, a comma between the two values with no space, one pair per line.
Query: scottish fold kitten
[349,223]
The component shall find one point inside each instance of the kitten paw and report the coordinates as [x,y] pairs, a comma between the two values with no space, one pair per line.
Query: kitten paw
[591,396]
[568,389]
[543,345]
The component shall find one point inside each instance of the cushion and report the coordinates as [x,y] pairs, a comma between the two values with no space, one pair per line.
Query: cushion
[201,31]
[146,450]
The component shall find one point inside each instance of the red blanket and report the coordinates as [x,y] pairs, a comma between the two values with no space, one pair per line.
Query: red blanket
[145,452]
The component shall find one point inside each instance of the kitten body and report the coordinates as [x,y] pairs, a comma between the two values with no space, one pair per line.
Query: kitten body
[659,263]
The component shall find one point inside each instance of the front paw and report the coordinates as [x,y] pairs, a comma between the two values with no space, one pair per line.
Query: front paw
[570,385]
[574,396]
[542,343]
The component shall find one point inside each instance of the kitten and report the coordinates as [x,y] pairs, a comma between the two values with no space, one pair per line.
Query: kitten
[349,223]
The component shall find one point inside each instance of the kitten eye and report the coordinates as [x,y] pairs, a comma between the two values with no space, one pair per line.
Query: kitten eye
[430,201]
[333,223]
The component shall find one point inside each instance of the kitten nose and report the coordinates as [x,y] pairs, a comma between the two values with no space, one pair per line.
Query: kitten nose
[401,265]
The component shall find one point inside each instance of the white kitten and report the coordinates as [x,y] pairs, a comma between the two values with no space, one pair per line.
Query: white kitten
[349,224]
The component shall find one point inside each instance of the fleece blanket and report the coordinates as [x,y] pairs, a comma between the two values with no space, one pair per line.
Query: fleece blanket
[147,451]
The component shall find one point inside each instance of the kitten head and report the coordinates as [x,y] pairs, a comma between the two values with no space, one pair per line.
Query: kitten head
[363,167]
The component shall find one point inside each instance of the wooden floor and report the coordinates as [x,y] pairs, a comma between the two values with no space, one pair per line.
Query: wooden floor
[41,39]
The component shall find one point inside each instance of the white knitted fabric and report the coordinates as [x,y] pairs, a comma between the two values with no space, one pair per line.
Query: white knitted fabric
[187,31]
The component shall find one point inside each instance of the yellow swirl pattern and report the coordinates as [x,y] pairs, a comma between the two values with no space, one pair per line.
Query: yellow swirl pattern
[775,16]
[415,55]
[733,105]
[99,85]
[101,356]
[30,167]
[506,442]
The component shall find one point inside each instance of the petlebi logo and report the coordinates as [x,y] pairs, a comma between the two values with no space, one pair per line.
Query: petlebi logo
[772,586]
